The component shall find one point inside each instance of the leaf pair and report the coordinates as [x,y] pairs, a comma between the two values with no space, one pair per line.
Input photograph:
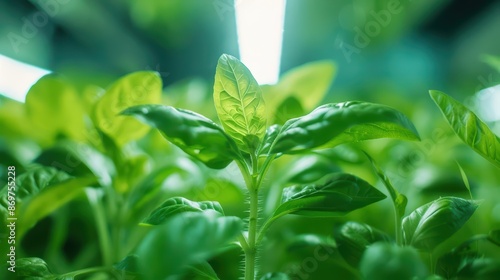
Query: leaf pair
[240,107]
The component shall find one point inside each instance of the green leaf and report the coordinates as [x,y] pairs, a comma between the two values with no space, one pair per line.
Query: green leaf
[309,168]
[78,159]
[193,133]
[304,87]
[183,240]
[383,261]
[465,179]
[32,268]
[239,103]
[128,267]
[399,200]
[494,237]
[14,122]
[176,205]
[288,109]
[39,192]
[275,276]
[50,199]
[484,268]
[353,238]
[341,194]
[469,127]
[434,222]
[312,240]
[272,133]
[131,90]
[148,193]
[450,263]
[54,107]
[338,123]
[201,271]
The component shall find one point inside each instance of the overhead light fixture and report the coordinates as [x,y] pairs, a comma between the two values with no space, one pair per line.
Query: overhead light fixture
[16,77]
[259,25]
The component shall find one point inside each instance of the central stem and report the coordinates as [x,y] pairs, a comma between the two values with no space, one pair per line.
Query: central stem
[251,253]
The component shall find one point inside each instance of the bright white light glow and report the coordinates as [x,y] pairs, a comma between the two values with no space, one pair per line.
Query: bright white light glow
[16,77]
[259,25]
[488,100]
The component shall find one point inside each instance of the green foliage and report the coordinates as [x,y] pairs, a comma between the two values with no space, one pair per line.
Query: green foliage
[339,123]
[177,205]
[469,127]
[183,240]
[275,276]
[272,133]
[54,107]
[201,271]
[134,89]
[33,268]
[494,237]
[298,90]
[239,103]
[399,200]
[78,159]
[39,192]
[193,133]
[434,222]
[156,213]
[341,194]
[480,269]
[353,238]
[309,168]
[385,261]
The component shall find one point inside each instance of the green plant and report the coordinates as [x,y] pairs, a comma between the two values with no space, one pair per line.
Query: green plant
[246,139]
[148,211]
[416,252]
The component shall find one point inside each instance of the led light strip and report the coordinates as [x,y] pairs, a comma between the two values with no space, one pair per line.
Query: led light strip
[260,35]
[16,77]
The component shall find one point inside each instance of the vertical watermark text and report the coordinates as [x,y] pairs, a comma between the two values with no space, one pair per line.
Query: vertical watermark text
[11,218]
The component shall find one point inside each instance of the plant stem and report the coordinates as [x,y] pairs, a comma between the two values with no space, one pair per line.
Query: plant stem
[95,200]
[250,254]
[399,227]
[253,177]
[243,242]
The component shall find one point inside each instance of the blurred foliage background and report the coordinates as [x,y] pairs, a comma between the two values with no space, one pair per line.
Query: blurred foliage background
[426,44]
[423,45]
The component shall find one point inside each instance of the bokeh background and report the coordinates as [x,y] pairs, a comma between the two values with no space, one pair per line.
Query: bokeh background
[428,44]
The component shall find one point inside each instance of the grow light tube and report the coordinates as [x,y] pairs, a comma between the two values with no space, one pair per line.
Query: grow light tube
[488,100]
[16,77]
[259,24]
